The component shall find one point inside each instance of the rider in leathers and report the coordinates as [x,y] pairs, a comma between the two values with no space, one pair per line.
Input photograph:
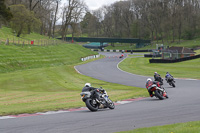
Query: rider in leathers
[167,76]
[158,78]
[94,91]
[149,83]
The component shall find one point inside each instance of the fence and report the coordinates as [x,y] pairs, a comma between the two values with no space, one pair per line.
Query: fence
[23,42]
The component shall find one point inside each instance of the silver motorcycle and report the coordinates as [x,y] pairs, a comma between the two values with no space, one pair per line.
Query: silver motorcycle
[93,104]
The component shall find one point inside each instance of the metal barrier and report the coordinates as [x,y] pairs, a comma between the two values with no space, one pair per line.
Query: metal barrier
[173,61]
[89,57]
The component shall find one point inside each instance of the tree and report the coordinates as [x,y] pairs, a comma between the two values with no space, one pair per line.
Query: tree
[71,13]
[98,17]
[55,17]
[5,14]
[77,15]
[107,23]
[85,22]
[22,18]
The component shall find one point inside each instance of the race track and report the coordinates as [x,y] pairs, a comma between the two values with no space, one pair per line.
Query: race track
[183,105]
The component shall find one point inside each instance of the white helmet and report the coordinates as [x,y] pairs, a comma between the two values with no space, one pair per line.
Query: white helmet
[87,85]
[149,79]
[155,72]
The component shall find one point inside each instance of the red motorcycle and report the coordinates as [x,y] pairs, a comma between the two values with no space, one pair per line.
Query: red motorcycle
[158,91]
[121,56]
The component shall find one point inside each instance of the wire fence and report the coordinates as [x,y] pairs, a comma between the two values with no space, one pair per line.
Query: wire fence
[35,42]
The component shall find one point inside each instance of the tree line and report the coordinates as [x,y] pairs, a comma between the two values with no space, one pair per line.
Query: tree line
[166,20]
[41,16]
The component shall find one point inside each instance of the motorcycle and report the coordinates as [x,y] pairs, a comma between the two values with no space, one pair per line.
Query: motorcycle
[171,81]
[158,92]
[121,56]
[93,104]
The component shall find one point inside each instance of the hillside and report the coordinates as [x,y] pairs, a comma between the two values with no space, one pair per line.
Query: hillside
[20,58]
[27,56]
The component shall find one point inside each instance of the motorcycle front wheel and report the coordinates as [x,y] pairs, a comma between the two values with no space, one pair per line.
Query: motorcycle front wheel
[172,83]
[110,104]
[90,105]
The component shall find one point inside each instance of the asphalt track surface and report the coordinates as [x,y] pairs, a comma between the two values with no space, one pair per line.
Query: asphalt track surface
[183,105]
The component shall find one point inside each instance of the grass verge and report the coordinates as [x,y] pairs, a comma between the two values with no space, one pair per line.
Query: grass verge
[141,66]
[38,79]
[189,127]
[53,88]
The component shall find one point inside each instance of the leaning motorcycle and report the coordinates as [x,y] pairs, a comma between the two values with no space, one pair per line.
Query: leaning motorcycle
[158,92]
[93,104]
[171,81]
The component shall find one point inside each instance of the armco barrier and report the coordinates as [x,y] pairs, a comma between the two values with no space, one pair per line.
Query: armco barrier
[110,50]
[148,50]
[90,57]
[106,50]
[150,55]
[173,61]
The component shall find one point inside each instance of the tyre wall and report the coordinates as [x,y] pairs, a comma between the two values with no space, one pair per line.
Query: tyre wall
[173,61]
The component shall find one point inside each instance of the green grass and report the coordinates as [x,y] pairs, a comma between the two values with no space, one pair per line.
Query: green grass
[197,51]
[187,43]
[141,66]
[17,58]
[6,32]
[189,127]
[52,88]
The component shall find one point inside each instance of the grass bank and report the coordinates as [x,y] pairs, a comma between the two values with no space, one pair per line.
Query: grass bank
[6,32]
[189,127]
[14,58]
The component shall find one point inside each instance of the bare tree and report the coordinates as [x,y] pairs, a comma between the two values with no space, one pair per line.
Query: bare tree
[55,17]
[107,23]
[68,14]
[77,15]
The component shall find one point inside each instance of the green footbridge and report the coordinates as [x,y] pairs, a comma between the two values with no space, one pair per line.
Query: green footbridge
[99,43]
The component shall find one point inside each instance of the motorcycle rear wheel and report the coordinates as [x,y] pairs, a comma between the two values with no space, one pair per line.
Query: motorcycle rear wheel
[92,107]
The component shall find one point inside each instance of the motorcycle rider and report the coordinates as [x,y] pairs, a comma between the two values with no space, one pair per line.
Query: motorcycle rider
[94,91]
[149,83]
[122,55]
[158,78]
[167,76]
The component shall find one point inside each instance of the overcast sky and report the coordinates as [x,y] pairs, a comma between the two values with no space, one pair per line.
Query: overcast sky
[95,4]
[92,4]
